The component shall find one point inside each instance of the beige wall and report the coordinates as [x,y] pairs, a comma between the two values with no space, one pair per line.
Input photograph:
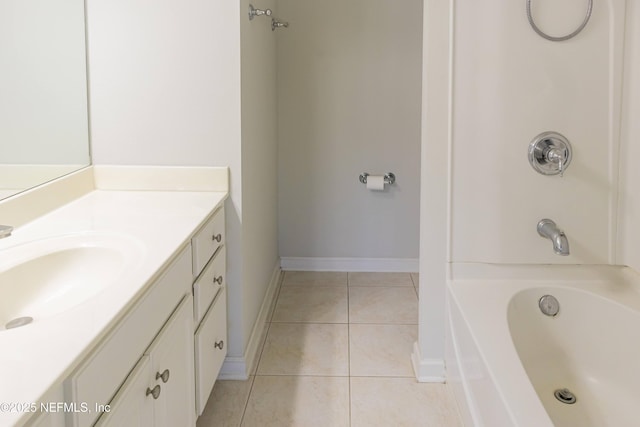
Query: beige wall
[349,94]
[259,164]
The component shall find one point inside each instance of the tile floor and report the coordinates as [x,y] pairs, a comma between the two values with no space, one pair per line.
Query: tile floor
[336,353]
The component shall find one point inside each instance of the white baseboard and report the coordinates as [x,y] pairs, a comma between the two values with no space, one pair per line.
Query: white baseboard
[399,265]
[427,370]
[239,368]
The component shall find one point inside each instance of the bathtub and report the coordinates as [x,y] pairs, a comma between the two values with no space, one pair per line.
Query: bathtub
[505,358]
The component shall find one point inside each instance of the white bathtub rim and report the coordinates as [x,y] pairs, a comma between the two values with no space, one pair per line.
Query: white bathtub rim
[467,408]
[526,403]
[495,345]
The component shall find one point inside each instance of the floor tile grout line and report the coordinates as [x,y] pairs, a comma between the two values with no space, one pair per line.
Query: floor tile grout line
[255,392]
[246,403]
[262,346]
[303,375]
[349,347]
[348,323]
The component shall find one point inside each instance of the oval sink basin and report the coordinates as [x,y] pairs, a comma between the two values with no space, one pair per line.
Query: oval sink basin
[51,276]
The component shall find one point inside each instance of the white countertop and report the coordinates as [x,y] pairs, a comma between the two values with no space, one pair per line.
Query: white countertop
[36,357]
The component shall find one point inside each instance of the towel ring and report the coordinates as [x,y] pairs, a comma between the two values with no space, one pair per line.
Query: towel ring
[562,38]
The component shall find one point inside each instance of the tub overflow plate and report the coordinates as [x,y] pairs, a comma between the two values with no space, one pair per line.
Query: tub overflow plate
[549,305]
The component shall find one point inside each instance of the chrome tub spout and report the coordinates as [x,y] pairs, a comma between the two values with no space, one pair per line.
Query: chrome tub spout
[548,229]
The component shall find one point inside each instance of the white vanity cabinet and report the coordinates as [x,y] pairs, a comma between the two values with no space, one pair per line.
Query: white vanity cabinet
[132,407]
[172,369]
[159,391]
[150,331]
[157,367]
[210,305]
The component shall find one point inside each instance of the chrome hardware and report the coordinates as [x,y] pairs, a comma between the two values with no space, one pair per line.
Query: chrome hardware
[277,24]
[389,178]
[219,344]
[217,237]
[561,38]
[253,12]
[218,280]
[155,392]
[5,231]
[549,305]
[163,376]
[548,229]
[550,153]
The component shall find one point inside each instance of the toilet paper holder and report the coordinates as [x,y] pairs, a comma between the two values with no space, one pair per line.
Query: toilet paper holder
[389,178]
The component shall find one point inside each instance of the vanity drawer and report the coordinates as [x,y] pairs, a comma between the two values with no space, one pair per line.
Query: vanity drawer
[210,349]
[208,285]
[206,241]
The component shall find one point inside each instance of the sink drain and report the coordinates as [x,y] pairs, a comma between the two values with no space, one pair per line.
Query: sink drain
[564,395]
[20,321]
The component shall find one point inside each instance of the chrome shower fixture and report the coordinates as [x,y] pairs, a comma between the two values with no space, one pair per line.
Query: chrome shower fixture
[277,24]
[550,153]
[560,38]
[549,230]
[253,12]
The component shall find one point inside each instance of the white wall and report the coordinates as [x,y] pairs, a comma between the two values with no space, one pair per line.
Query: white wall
[509,86]
[429,351]
[349,93]
[164,82]
[629,224]
[43,86]
[165,89]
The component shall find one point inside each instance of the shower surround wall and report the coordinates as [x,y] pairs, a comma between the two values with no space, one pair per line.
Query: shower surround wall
[629,225]
[509,85]
[349,93]
[505,86]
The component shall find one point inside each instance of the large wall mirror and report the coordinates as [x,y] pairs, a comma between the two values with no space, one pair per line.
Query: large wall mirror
[44,131]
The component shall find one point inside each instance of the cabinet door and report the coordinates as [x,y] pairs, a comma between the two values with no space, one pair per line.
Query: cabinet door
[132,406]
[172,363]
[52,419]
[210,347]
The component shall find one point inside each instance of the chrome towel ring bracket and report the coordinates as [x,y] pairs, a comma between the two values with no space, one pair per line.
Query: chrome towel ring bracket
[277,24]
[561,38]
[253,12]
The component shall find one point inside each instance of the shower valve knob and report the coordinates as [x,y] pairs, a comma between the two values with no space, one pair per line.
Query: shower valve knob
[550,153]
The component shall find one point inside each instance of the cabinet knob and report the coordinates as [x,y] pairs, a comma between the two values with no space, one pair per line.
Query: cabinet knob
[218,280]
[219,344]
[163,376]
[155,392]
[217,237]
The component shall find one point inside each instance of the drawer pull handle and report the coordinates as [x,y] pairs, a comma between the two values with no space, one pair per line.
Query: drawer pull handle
[218,280]
[163,376]
[219,344]
[217,237]
[155,392]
